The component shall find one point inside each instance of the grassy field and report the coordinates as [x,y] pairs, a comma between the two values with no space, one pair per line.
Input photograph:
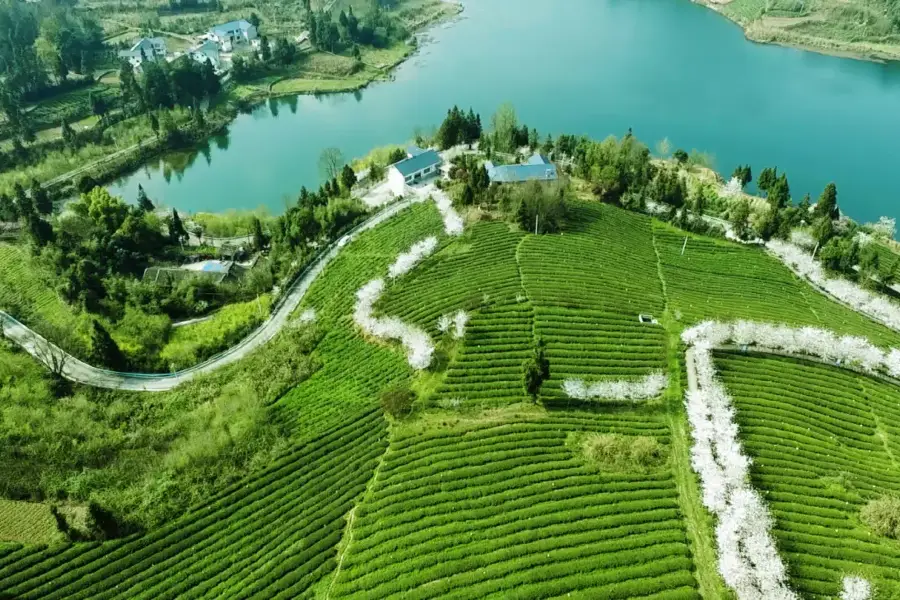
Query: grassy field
[482,493]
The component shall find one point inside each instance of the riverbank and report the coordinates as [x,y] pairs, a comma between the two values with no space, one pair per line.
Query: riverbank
[830,30]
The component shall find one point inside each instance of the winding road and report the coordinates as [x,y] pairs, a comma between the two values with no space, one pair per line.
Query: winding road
[80,372]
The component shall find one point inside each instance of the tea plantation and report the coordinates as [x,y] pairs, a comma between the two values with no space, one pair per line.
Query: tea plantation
[482,492]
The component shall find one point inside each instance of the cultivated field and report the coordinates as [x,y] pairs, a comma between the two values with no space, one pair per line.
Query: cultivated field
[481,493]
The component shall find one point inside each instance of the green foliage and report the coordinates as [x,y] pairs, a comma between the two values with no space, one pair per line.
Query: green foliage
[827,205]
[680,156]
[104,350]
[541,207]
[613,451]
[398,401]
[743,173]
[458,128]
[839,254]
[669,188]
[882,515]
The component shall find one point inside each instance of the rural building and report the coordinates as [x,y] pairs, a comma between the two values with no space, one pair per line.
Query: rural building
[538,167]
[418,164]
[231,34]
[207,50]
[144,49]
[216,271]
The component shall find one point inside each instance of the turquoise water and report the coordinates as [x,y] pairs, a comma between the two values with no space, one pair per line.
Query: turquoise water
[666,68]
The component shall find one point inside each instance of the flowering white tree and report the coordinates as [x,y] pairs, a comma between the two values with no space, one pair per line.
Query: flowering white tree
[453,223]
[649,387]
[409,259]
[444,323]
[733,189]
[419,348]
[459,324]
[856,588]
[307,316]
[885,228]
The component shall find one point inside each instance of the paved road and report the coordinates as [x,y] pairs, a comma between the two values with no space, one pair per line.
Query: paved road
[81,372]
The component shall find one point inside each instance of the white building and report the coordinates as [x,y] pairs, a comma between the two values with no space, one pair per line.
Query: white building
[145,49]
[234,33]
[206,50]
[419,164]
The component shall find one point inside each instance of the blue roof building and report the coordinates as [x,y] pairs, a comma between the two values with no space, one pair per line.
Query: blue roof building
[417,166]
[538,167]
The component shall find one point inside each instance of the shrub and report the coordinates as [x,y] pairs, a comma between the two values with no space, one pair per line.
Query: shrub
[883,516]
[620,452]
[398,401]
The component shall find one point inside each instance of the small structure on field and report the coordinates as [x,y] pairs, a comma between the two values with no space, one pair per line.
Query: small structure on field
[419,164]
[538,168]
[216,271]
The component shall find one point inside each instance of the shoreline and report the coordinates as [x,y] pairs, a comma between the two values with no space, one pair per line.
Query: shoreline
[824,46]
[106,170]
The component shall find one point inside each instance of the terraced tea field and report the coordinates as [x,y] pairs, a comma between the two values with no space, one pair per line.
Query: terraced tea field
[499,509]
[481,493]
[824,442]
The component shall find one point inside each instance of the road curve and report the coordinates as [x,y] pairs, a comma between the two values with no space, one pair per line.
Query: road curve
[80,372]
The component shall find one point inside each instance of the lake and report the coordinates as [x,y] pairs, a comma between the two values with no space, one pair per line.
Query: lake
[665,68]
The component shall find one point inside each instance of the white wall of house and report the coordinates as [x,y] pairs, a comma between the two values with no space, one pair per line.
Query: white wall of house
[396,181]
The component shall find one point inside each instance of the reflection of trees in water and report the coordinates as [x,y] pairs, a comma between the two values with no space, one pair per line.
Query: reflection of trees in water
[273,106]
[178,161]
[291,102]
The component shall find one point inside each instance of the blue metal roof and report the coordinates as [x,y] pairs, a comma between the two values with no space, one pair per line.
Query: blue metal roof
[538,159]
[214,266]
[241,24]
[412,165]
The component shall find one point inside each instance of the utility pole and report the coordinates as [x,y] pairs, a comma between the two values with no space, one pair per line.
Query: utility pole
[535,224]
[683,246]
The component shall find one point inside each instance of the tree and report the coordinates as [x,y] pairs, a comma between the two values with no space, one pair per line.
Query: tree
[8,210]
[104,350]
[177,232]
[68,134]
[41,199]
[39,230]
[260,241]
[743,173]
[264,50]
[779,193]
[348,178]
[468,196]
[505,127]
[144,203]
[536,371]
[254,20]
[98,105]
[154,124]
[767,178]
[330,162]
[740,218]
[398,401]
[680,156]
[827,205]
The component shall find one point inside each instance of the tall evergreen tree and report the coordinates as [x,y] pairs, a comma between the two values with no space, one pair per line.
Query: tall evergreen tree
[144,203]
[827,205]
[41,199]
[260,240]
[177,232]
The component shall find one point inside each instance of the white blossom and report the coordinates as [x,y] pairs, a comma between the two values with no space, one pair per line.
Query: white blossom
[856,588]
[459,324]
[444,323]
[649,387]
[886,228]
[803,239]
[733,188]
[409,259]
[307,316]
[419,348]
[453,223]
[803,264]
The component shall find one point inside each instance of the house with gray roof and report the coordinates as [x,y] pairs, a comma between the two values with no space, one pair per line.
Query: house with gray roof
[151,49]
[231,34]
[538,167]
[418,165]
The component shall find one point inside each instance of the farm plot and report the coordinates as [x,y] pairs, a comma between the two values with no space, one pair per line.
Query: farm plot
[272,535]
[508,509]
[26,521]
[824,443]
[724,281]
[28,296]
[479,274]
[588,288]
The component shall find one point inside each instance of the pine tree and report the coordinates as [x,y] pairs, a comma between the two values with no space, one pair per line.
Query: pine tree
[827,205]
[177,232]
[259,238]
[264,50]
[144,203]
[68,134]
[348,177]
[41,199]
[468,196]
[104,350]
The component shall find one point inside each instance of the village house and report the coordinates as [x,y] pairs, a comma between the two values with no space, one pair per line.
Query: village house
[538,167]
[144,49]
[207,50]
[232,34]
[418,164]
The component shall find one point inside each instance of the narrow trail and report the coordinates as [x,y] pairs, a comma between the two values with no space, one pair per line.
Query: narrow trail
[78,371]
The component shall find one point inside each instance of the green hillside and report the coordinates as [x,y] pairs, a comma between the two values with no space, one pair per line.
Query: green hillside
[482,493]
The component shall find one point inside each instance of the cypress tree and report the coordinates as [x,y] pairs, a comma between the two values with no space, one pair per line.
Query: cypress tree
[104,349]
[144,203]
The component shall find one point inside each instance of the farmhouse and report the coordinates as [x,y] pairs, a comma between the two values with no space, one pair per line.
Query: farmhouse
[538,167]
[207,50]
[144,49]
[233,33]
[215,271]
[417,165]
